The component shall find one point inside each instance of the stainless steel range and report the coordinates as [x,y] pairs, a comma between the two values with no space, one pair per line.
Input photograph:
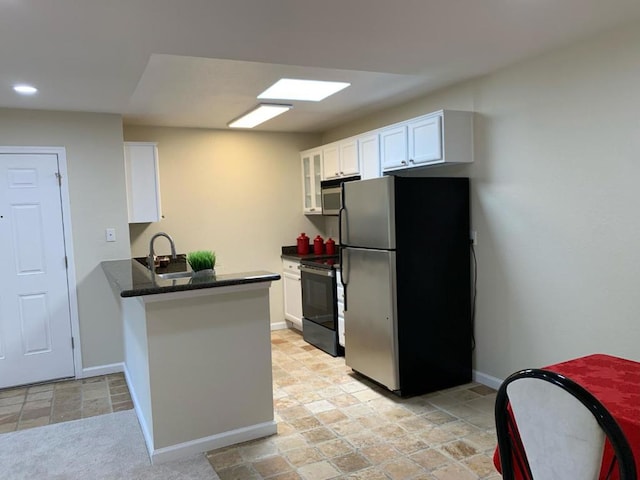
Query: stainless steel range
[319,304]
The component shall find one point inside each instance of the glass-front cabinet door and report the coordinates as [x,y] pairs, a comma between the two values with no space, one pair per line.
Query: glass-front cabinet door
[311,177]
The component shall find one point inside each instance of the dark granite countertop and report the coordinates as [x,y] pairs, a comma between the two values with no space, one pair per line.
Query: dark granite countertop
[291,253]
[131,279]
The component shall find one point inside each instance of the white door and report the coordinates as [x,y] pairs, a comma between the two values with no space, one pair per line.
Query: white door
[35,320]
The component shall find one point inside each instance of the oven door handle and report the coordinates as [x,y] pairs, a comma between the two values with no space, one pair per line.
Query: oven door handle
[316,271]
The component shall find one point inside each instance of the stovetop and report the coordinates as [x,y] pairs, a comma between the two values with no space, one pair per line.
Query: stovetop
[327,263]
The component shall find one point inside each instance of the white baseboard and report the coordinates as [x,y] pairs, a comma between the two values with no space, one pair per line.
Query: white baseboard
[279,326]
[101,370]
[200,445]
[146,433]
[290,324]
[487,380]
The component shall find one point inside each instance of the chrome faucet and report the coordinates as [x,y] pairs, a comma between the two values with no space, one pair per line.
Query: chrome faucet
[150,259]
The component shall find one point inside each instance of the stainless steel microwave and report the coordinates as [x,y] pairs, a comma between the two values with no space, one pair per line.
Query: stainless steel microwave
[332,194]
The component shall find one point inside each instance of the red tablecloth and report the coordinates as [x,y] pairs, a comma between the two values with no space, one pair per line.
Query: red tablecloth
[616,383]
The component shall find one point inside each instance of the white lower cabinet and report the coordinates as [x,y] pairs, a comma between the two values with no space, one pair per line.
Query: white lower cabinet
[340,297]
[292,292]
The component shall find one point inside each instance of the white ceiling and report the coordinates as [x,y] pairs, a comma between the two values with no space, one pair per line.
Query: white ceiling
[201,63]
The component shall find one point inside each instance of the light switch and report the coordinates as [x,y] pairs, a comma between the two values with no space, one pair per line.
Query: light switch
[110,234]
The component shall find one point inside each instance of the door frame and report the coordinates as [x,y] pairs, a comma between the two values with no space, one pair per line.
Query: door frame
[68,243]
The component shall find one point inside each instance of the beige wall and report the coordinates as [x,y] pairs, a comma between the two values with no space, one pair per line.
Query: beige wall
[555,201]
[238,193]
[93,144]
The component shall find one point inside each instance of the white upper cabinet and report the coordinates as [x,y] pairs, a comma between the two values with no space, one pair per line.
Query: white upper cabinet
[349,161]
[311,177]
[143,182]
[441,137]
[393,147]
[425,140]
[331,161]
[369,155]
[340,159]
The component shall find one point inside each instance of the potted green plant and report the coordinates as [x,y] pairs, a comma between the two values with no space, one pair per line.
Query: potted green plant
[202,262]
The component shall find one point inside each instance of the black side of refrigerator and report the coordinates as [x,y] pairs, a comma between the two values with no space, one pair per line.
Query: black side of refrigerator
[433,283]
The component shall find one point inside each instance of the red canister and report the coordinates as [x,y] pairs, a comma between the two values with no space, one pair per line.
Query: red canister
[318,245]
[303,244]
[330,246]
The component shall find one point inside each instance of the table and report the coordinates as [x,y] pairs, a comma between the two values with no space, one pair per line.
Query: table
[616,383]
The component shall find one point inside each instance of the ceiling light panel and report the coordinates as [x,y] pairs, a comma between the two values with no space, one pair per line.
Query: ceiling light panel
[24,89]
[258,115]
[310,90]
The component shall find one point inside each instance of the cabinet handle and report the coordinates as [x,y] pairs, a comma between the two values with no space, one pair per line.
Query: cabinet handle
[336,174]
[411,160]
[341,173]
[312,209]
[403,162]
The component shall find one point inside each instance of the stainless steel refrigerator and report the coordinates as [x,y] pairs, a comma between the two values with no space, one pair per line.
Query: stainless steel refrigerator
[405,262]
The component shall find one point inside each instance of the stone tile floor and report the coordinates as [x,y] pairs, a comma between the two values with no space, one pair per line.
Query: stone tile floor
[38,405]
[333,423]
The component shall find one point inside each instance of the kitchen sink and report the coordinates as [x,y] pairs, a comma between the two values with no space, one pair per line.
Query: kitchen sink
[170,275]
[177,268]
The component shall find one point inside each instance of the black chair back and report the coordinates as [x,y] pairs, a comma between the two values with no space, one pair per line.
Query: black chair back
[513,456]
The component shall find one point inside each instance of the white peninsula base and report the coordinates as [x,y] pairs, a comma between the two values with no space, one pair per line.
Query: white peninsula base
[198,365]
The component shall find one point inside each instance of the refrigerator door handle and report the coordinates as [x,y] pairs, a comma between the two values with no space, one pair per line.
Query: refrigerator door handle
[342,219]
[340,225]
[344,264]
[344,272]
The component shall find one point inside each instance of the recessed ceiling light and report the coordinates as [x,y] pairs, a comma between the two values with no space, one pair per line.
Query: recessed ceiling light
[25,89]
[258,115]
[311,90]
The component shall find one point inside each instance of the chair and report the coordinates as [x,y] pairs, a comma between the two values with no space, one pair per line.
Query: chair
[551,428]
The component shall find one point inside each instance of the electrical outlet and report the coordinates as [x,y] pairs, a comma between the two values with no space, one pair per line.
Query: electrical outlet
[474,237]
[110,234]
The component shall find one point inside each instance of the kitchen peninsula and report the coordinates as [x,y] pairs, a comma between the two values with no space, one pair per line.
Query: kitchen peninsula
[197,357]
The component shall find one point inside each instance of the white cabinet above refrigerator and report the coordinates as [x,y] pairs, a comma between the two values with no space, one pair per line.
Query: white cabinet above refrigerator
[443,137]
